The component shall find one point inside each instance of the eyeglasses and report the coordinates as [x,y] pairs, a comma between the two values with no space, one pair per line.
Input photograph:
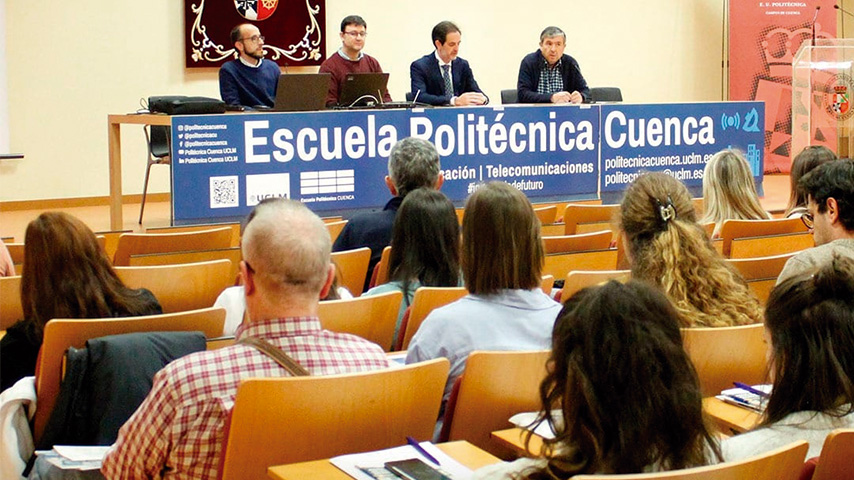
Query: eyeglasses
[357,34]
[254,38]
[808,220]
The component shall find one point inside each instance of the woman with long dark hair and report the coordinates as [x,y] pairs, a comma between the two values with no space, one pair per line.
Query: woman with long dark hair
[809,321]
[628,394]
[66,275]
[425,247]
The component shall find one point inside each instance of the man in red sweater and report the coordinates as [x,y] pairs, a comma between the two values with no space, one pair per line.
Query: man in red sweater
[349,58]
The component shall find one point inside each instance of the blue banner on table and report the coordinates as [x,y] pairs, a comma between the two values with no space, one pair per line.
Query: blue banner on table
[223,165]
[677,139]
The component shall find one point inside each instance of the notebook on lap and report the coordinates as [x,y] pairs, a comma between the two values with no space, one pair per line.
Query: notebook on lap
[299,92]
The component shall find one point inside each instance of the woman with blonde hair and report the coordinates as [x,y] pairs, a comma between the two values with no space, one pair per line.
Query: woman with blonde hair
[667,247]
[66,275]
[729,192]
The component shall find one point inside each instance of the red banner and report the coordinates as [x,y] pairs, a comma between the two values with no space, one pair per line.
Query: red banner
[293,30]
[763,39]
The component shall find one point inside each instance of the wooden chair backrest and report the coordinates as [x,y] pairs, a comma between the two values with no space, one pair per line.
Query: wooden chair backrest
[383,267]
[699,207]
[770,245]
[732,229]
[494,387]
[111,240]
[11,309]
[59,334]
[578,243]
[598,216]
[16,251]
[835,460]
[460,214]
[332,219]
[547,283]
[425,300]
[724,355]
[546,214]
[761,273]
[559,265]
[372,317]
[578,279]
[352,268]
[232,254]
[335,228]
[552,230]
[783,463]
[141,243]
[181,287]
[234,226]
[220,342]
[295,419]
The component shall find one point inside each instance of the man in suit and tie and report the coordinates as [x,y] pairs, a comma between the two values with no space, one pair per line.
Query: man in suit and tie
[440,78]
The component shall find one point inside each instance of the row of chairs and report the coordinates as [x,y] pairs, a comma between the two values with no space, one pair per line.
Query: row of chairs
[362,412]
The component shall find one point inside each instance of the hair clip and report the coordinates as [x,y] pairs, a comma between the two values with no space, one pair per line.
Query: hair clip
[667,212]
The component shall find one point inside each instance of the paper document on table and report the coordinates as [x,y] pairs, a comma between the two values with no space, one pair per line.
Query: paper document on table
[741,397]
[64,463]
[352,464]
[544,430]
[77,453]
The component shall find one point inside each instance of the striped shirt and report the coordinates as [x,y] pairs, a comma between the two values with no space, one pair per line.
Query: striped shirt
[177,431]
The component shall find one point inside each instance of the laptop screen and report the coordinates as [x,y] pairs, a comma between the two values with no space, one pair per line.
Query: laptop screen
[360,89]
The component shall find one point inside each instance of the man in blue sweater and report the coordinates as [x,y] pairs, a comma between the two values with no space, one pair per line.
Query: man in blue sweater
[550,76]
[249,80]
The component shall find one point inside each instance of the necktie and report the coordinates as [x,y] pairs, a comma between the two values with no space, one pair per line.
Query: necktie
[449,86]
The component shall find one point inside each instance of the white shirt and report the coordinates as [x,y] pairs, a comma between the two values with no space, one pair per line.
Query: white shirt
[233,300]
[808,425]
[514,320]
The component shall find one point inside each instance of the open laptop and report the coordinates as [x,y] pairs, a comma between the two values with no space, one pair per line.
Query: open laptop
[299,92]
[362,89]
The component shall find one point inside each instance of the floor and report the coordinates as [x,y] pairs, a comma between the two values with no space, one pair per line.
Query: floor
[14,224]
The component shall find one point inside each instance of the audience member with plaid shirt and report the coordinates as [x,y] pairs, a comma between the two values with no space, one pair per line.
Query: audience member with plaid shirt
[550,76]
[177,432]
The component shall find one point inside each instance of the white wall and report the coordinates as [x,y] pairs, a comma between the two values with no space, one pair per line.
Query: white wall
[4,96]
[71,64]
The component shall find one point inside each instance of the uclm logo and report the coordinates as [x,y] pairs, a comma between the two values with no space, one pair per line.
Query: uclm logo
[270,185]
[256,9]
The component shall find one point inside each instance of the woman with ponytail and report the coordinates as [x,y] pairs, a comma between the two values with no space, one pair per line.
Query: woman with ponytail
[668,248]
[809,322]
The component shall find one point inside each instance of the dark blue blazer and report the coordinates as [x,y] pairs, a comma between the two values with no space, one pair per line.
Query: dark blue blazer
[426,76]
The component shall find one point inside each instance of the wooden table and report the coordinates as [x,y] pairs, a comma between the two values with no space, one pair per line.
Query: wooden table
[114,139]
[461,451]
[730,418]
[514,439]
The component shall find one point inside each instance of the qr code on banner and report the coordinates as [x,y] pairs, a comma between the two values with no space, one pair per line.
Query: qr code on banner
[224,192]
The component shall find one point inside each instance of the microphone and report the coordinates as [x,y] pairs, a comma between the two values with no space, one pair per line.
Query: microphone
[846,12]
[814,18]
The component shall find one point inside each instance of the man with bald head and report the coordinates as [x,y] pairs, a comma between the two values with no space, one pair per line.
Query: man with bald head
[286,268]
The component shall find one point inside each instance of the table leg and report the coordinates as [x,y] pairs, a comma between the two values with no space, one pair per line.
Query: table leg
[114,134]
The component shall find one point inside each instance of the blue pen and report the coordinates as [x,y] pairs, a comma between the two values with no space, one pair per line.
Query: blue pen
[750,389]
[417,446]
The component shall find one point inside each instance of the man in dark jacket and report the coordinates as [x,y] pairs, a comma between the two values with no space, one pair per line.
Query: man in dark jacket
[550,76]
